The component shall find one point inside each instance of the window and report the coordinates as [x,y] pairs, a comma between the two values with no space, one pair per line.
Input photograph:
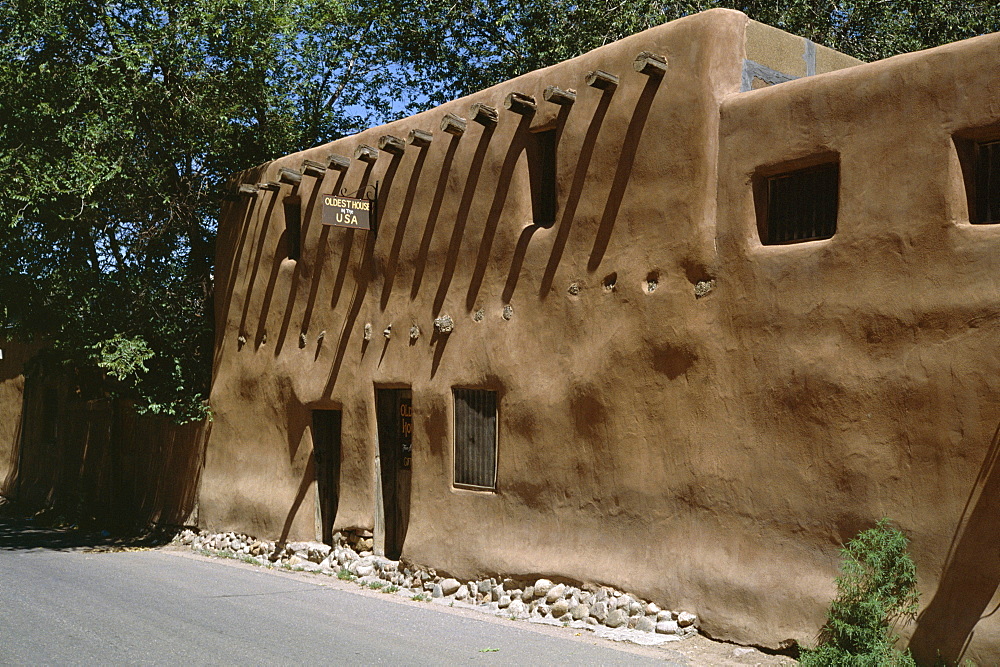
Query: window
[978,152]
[799,205]
[987,184]
[293,227]
[542,175]
[476,438]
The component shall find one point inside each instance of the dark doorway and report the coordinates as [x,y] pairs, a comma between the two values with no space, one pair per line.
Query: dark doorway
[394,409]
[326,451]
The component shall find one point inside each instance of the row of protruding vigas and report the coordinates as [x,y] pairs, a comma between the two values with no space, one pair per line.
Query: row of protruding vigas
[650,64]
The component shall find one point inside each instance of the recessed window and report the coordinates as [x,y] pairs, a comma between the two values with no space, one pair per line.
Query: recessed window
[987,184]
[799,205]
[542,174]
[476,438]
[293,227]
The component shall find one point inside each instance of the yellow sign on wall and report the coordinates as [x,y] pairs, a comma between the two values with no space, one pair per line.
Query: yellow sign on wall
[348,212]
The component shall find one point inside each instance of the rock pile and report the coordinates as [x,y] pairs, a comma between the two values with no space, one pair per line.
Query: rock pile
[540,600]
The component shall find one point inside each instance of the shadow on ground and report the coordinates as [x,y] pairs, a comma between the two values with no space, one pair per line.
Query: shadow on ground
[23,531]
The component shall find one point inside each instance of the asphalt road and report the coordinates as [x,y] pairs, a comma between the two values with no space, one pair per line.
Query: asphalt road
[61,603]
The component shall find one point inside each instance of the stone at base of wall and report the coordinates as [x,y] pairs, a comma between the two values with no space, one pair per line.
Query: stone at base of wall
[538,600]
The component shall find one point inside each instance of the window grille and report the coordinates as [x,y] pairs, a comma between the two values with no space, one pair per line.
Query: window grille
[801,205]
[987,190]
[475,438]
[293,227]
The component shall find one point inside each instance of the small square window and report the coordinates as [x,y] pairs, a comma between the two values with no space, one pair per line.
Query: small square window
[293,227]
[799,205]
[476,438]
[987,184]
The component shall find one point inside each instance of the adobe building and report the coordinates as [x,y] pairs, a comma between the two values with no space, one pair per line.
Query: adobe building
[681,315]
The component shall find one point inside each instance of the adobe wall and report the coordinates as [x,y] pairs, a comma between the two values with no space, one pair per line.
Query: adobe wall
[465,242]
[862,370]
[770,50]
[11,401]
[704,444]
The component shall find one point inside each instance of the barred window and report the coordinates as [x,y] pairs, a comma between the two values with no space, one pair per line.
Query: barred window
[476,438]
[800,205]
[987,188]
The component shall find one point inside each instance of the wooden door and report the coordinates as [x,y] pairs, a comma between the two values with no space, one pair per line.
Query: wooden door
[394,410]
[326,452]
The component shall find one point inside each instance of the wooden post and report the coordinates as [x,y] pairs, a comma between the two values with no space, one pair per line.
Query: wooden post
[391,144]
[520,103]
[650,64]
[313,168]
[559,96]
[317,501]
[366,153]
[290,176]
[338,162]
[378,532]
[601,79]
[248,190]
[453,124]
[419,138]
[484,114]
[269,185]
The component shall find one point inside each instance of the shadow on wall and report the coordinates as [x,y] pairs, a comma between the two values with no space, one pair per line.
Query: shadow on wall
[392,262]
[319,253]
[100,460]
[623,173]
[462,218]
[432,216]
[306,219]
[360,288]
[226,270]
[308,477]
[971,573]
[517,146]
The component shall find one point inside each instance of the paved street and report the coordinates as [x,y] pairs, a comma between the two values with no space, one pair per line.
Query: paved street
[62,603]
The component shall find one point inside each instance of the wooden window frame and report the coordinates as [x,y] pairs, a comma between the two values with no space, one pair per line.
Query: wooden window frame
[774,191]
[459,432]
[979,157]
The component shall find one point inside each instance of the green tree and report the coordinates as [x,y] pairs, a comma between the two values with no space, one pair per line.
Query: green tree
[478,43]
[876,590]
[121,121]
[119,126]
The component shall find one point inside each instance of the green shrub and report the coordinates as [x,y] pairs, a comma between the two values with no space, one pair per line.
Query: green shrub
[876,590]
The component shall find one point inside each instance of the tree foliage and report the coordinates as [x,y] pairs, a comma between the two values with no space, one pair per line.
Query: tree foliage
[478,43]
[121,122]
[122,119]
[876,590]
